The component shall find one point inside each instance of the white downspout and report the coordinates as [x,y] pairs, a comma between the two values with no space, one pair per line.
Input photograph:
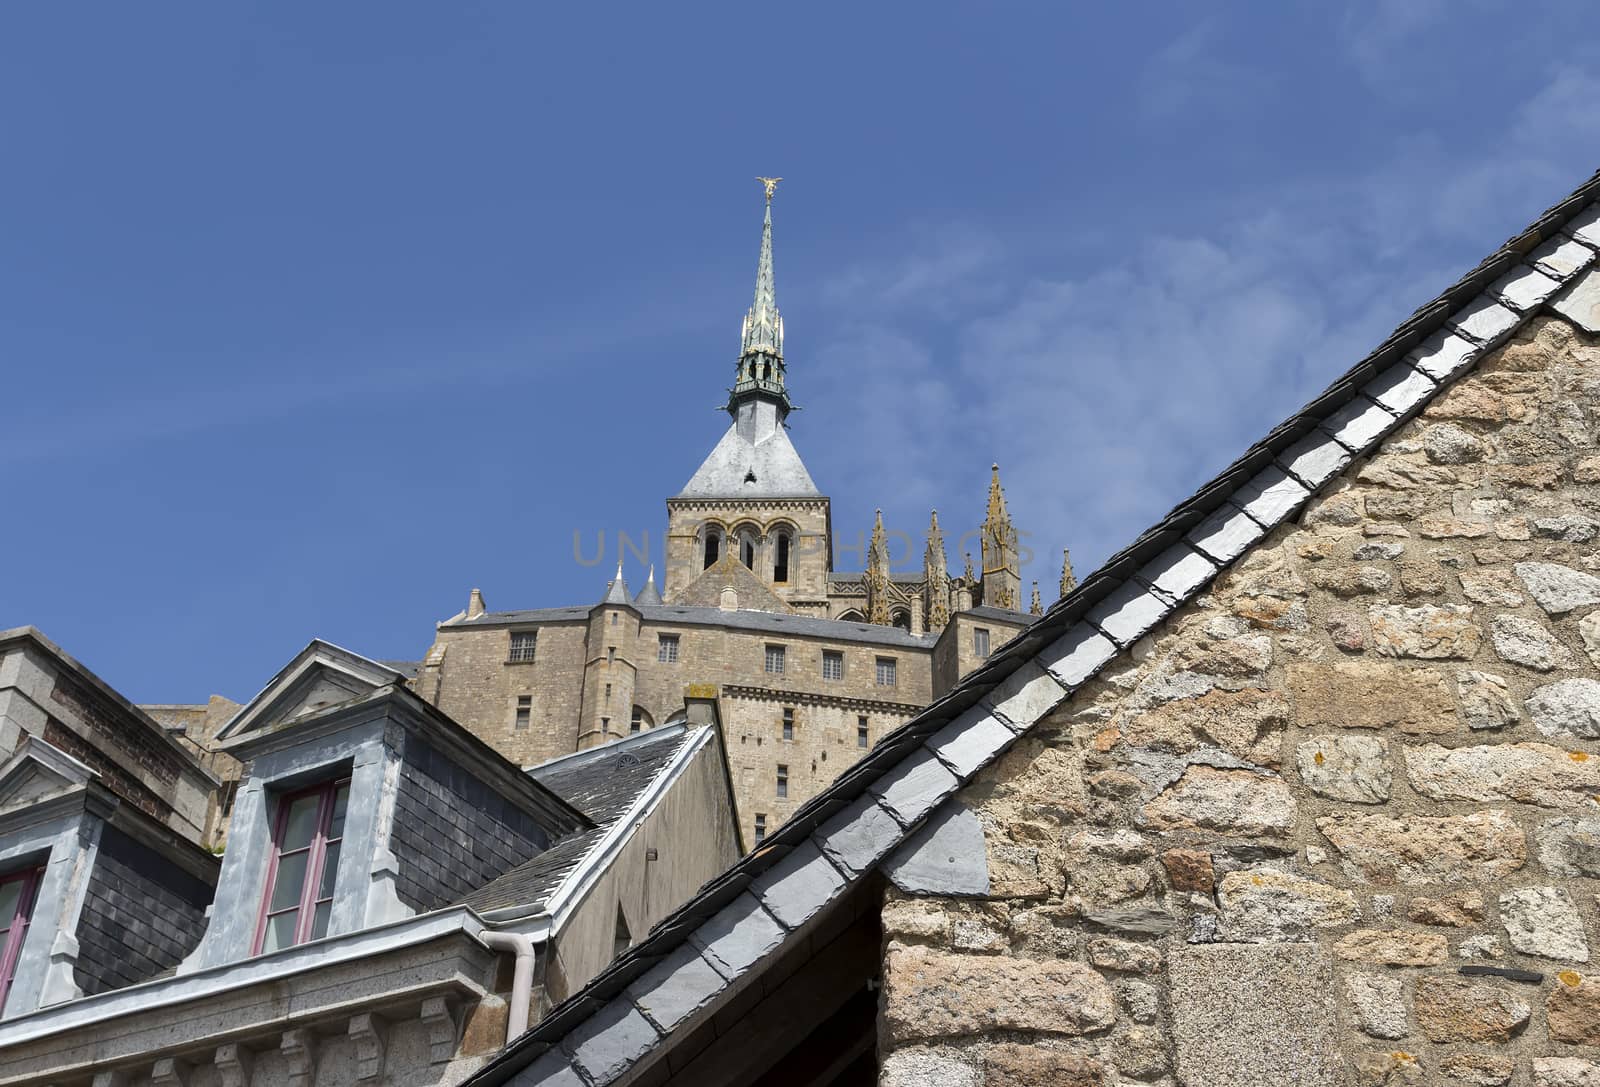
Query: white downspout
[521,978]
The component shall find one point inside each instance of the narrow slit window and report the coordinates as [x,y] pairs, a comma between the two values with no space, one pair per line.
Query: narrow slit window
[304,868]
[863,735]
[713,550]
[783,780]
[524,716]
[761,827]
[780,561]
[788,722]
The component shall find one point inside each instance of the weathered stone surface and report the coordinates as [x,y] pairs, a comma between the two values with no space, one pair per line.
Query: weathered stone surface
[1568,707]
[1142,999]
[1047,932]
[1348,630]
[1447,443]
[921,1066]
[1494,587]
[1395,1068]
[1573,1009]
[1133,920]
[1245,723]
[1485,946]
[1430,632]
[1236,801]
[1124,956]
[935,994]
[1012,1065]
[1360,580]
[1529,773]
[1478,1069]
[1189,870]
[1477,402]
[914,919]
[1140,1053]
[1558,589]
[1570,846]
[1393,947]
[1486,700]
[1525,642]
[1454,1009]
[1268,905]
[1254,1015]
[1565,1072]
[1353,768]
[1412,700]
[1379,1003]
[1543,921]
[1427,849]
[1457,911]
[1589,631]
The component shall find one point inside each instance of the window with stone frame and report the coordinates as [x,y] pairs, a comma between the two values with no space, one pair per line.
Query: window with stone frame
[667,649]
[862,733]
[524,646]
[304,866]
[788,723]
[774,659]
[524,716]
[17,892]
[832,664]
[886,671]
[980,641]
[783,780]
[761,827]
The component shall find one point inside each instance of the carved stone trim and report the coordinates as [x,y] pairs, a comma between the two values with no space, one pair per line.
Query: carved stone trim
[369,1033]
[112,1077]
[805,698]
[169,1072]
[235,1065]
[440,1017]
[299,1049]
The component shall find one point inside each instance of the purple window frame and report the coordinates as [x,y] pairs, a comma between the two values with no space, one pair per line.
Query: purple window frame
[16,930]
[327,794]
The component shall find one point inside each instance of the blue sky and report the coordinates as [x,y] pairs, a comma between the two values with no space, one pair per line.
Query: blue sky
[313,317]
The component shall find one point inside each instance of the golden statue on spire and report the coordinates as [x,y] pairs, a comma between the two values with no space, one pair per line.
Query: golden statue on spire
[771,184]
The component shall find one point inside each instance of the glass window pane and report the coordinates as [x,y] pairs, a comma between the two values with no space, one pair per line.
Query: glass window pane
[330,872]
[300,824]
[341,800]
[291,881]
[280,931]
[10,891]
[319,920]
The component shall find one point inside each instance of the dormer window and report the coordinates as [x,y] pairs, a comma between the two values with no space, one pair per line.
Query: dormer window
[305,865]
[17,893]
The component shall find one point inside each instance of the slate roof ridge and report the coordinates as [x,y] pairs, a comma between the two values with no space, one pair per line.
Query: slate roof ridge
[875,805]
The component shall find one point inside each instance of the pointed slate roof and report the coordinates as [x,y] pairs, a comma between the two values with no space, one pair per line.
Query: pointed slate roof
[617,589]
[740,466]
[649,594]
[764,903]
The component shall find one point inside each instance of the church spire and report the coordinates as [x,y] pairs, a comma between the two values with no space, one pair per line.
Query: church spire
[878,576]
[760,370]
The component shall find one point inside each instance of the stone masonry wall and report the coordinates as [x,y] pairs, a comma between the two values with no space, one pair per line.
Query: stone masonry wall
[1336,822]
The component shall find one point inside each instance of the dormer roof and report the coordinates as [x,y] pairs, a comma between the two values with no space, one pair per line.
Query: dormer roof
[320,675]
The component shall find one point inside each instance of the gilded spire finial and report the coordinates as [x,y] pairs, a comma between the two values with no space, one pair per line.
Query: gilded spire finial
[771,185]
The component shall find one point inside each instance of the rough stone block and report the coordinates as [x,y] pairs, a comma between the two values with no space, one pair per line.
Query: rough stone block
[1270,496]
[946,857]
[1226,534]
[1315,459]
[1475,848]
[923,1066]
[1254,1014]
[1024,696]
[859,837]
[1485,320]
[1400,388]
[797,888]
[915,786]
[608,1043]
[1077,655]
[971,741]
[737,937]
[675,988]
[936,994]
[1455,1009]
[1579,302]
[1359,423]
[1128,612]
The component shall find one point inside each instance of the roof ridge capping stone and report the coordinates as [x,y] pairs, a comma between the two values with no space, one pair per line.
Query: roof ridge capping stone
[742,918]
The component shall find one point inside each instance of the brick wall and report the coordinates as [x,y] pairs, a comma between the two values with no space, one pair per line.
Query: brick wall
[1334,822]
[452,834]
[141,915]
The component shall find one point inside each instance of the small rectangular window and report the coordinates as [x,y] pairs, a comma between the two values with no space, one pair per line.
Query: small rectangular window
[761,827]
[832,664]
[886,671]
[524,710]
[775,659]
[783,780]
[861,732]
[17,892]
[788,722]
[524,643]
[304,867]
[667,649]
[611,654]
[980,641]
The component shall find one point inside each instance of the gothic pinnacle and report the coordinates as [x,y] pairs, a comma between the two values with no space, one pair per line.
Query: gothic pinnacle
[1037,607]
[1068,580]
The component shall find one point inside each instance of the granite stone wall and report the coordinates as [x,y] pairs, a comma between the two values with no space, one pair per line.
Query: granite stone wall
[1337,821]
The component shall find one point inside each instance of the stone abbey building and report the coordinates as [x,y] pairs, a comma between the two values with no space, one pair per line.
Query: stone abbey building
[811,666]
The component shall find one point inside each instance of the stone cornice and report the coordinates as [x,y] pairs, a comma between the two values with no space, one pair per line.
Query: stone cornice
[808,698]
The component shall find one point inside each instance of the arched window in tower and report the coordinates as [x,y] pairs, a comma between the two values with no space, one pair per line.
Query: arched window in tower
[641,720]
[902,619]
[747,548]
[713,550]
[780,559]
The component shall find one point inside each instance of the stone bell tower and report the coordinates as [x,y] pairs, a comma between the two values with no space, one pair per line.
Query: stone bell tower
[750,527]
